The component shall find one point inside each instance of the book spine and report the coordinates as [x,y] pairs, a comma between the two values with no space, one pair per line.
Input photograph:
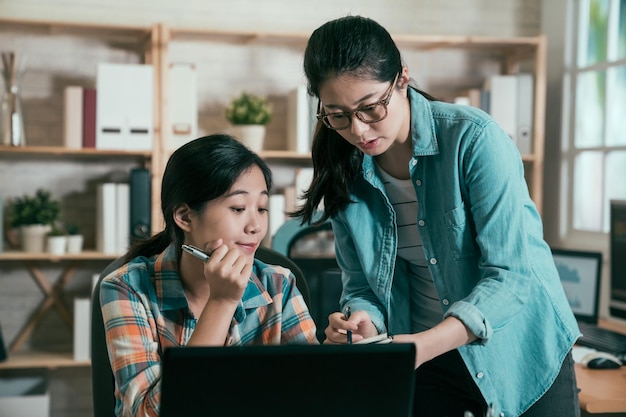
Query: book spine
[1,224]
[73,117]
[122,214]
[504,103]
[106,218]
[525,94]
[82,329]
[89,118]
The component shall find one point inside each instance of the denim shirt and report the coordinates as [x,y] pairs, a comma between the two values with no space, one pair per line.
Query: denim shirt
[483,239]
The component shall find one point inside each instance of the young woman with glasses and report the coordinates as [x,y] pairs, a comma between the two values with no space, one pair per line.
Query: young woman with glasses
[437,237]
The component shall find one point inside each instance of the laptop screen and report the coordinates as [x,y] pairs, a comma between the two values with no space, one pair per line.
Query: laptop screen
[580,274]
[289,380]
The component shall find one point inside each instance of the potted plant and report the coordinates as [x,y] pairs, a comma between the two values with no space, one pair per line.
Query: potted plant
[249,114]
[56,241]
[74,239]
[34,215]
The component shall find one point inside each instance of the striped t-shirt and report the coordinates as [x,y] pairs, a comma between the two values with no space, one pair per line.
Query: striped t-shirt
[424,301]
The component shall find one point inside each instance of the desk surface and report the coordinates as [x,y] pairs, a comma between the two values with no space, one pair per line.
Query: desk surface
[603,391]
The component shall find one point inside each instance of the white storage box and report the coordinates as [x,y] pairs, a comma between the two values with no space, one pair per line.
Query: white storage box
[24,397]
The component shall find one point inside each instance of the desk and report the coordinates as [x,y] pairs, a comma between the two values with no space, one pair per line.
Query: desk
[602,391]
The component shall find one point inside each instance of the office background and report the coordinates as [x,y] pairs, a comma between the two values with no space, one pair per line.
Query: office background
[70,389]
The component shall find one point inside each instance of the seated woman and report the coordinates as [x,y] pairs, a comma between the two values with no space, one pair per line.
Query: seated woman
[214,196]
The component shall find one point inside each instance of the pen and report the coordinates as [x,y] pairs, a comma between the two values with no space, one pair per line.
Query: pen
[349,332]
[198,253]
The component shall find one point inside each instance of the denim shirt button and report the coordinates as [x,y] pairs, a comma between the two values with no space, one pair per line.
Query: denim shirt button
[433,261]
[418,182]
[421,222]
[445,301]
[480,375]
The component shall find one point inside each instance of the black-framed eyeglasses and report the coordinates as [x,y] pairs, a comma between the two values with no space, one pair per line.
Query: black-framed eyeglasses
[370,113]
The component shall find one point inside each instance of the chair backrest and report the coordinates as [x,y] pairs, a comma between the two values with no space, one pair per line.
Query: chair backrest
[311,248]
[102,380]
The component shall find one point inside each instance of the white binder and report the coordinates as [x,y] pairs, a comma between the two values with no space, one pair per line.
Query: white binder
[525,99]
[301,120]
[183,105]
[124,107]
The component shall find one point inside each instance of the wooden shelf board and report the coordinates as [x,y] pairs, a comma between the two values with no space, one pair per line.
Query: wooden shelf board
[237,37]
[127,33]
[41,360]
[88,255]
[287,156]
[56,152]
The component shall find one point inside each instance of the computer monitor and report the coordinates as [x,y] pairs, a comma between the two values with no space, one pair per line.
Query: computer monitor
[617,300]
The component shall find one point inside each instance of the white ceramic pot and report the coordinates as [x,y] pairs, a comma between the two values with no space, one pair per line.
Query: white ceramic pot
[56,245]
[34,237]
[74,243]
[252,136]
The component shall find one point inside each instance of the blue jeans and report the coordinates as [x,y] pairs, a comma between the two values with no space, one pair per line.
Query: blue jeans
[444,388]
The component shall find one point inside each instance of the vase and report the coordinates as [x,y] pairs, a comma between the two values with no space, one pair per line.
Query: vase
[56,245]
[11,115]
[74,243]
[34,237]
[252,136]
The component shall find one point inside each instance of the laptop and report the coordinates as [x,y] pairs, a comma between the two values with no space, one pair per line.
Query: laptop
[289,380]
[581,276]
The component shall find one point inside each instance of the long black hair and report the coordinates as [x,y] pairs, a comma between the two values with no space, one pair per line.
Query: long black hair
[198,172]
[364,49]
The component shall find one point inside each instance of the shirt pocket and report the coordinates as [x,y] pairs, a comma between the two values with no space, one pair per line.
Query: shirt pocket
[460,233]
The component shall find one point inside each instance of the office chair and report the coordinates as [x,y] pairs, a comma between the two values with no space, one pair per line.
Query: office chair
[102,380]
[321,270]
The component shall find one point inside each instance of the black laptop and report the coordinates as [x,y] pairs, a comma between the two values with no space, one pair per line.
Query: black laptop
[581,275]
[288,381]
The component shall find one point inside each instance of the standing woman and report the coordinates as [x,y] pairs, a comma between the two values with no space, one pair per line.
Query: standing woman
[437,238]
[214,196]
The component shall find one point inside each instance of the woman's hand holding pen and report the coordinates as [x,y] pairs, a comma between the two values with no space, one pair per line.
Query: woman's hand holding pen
[358,323]
[227,271]
[214,296]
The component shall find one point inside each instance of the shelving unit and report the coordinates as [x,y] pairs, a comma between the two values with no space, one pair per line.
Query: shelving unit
[52,289]
[155,44]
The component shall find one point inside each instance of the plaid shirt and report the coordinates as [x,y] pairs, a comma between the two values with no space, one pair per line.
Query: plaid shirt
[145,311]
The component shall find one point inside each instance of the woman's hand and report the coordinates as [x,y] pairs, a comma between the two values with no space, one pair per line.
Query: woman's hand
[359,323]
[227,271]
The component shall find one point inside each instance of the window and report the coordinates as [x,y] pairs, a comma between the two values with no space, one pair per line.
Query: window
[594,141]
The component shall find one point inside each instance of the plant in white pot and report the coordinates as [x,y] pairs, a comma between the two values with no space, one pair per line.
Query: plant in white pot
[34,215]
[249,114]
[74,239]
[56,242]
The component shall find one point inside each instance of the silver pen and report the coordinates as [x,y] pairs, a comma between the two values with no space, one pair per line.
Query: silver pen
[197,252]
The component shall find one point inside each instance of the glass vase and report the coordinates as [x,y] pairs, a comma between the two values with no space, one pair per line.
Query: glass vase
[11,114]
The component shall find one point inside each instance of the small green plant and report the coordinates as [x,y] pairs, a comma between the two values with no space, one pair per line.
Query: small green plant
[73,229]
[56,231]
[37,209]
[249,109]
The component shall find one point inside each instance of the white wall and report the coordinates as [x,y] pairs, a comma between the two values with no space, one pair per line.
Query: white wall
[276,72]
[462,17]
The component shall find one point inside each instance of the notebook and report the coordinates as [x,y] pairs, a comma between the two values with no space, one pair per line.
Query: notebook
[581,276]
[289,380]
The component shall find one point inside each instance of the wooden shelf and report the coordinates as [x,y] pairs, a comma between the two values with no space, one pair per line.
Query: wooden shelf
[41,360]
[82,256]
[237,37]
[54,152]
[127,34]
